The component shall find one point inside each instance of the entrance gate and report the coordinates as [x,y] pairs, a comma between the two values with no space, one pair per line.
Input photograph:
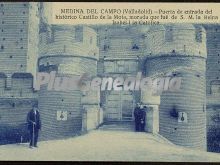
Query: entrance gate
[119,106]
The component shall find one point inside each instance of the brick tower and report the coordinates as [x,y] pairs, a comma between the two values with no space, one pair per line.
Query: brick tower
[180,50]
[68,50]
[18,59]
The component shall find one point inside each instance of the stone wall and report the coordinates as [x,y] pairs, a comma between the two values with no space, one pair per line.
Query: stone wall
[53,127]
[18,49]
[69,51]
[121,49]
[190,65]
[213,59]
[183,39]
[213,87]
[33,38]
[18,54]
[121,42]
[17,98]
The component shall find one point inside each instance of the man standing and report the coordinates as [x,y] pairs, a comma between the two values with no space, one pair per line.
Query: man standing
[142,118]
[34,124]
[137,117]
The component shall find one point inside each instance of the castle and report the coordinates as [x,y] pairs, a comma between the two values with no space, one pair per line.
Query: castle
[30,45]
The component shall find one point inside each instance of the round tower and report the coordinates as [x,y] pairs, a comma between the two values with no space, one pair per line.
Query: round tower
[180,50]
[68,50]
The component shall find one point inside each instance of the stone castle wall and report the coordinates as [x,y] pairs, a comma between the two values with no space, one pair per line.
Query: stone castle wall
[171,58]
[183,39]
[121,49]
[18,56]
[69,51]
[213,86]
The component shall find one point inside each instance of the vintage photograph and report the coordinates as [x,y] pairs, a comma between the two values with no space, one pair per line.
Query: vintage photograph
[134,90]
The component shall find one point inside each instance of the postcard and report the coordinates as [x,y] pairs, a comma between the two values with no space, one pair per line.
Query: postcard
[111,81]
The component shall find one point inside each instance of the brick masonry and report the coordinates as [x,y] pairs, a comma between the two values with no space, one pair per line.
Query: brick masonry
[213,86]
[180,53]
[18,59]
[69,51]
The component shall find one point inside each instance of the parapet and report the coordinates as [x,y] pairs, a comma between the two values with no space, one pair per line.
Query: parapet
[16,85]
[121,41]
[68,40]
[176,39]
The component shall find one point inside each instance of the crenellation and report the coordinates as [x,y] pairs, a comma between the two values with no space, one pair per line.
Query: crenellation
[67,41]
[175,39]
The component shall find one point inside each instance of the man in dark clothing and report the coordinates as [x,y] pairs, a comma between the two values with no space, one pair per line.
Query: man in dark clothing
[137,117]
[34,125]
[142,118]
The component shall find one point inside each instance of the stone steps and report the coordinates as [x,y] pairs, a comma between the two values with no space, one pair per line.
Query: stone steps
[118,126]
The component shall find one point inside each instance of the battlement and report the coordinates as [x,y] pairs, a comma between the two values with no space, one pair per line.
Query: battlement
[181,39]
[68,40]
[17,85]
[121,41]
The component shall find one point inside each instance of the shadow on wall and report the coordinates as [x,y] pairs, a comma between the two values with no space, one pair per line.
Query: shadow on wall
[14,134]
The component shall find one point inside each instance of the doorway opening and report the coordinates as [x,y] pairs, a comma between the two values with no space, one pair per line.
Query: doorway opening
[119,106]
